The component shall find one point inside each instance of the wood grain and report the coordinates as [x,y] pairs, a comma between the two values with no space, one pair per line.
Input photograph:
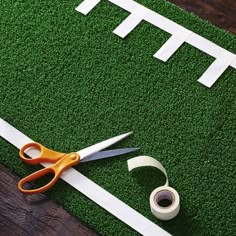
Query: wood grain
[23,215]
[221,13]
[37,215]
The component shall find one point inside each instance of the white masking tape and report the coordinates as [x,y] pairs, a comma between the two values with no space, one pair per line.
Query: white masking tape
[172,44]
[233,63]
[180,35]
[86,6]
[90,189]
[161,193]
[215,70]
[129,5]
[131,21]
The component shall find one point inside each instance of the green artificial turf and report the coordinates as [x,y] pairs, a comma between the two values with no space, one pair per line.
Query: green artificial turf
[67,82]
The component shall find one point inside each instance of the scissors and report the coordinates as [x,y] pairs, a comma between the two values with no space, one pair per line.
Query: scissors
[64,161]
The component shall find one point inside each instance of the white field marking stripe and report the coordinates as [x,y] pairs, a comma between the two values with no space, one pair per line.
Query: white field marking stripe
[233,63]
[86,6]
[179,36]
[163,23]
[131,22]
[90,189]
[214,71]
[207,46]
[171,27]
[127,5]
[152,16]
[171,45]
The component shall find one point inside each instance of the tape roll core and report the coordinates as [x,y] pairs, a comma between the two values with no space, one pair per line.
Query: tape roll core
[164,195]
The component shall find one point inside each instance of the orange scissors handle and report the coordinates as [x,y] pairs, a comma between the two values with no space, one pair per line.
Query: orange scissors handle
[46,155]
[64,163]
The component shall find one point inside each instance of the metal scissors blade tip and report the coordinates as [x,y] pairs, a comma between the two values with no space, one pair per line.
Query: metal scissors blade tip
[102,145]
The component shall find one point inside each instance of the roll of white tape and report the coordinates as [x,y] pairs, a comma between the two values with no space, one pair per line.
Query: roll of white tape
[159,194]
[164,212]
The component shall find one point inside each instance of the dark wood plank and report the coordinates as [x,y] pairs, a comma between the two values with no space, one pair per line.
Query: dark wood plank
[33,215]
[219,12]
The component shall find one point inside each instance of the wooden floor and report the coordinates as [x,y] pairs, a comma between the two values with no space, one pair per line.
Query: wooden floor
[20,215]
[221,13]
[33,215]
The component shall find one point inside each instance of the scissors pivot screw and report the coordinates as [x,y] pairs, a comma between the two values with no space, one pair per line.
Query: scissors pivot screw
[73,157]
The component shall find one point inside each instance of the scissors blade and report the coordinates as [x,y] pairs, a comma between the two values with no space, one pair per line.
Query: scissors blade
[109,153]
[102,145]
